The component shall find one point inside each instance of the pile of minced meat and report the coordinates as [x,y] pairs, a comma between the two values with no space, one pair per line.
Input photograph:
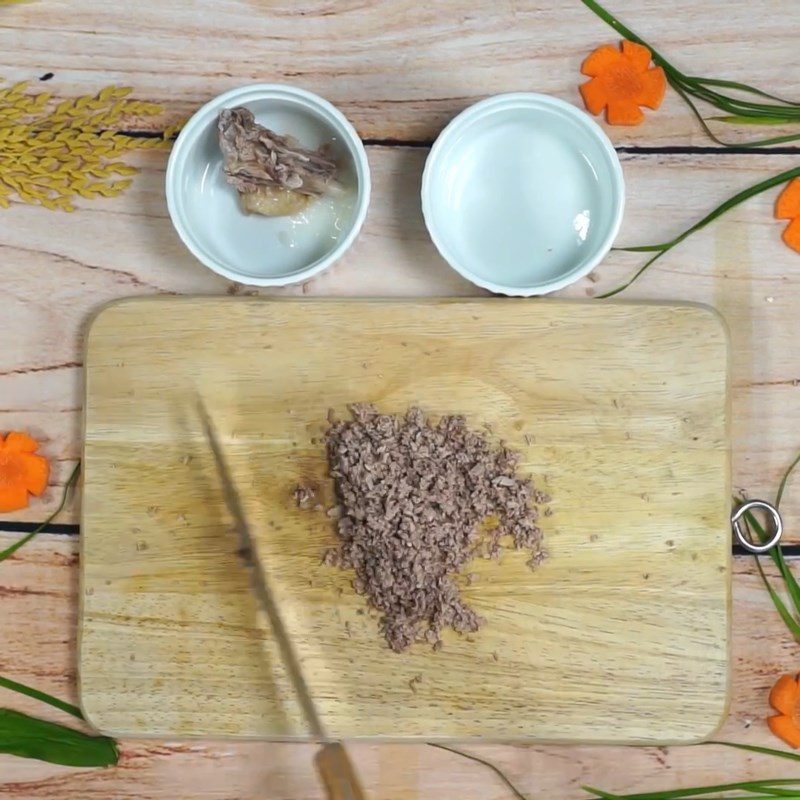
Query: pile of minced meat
[418,500]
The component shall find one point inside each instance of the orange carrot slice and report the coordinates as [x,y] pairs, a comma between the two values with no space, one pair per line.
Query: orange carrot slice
[595,96]
[12,498]
[654,87]
[622,81]
[21,471]
[37,474]
[791,236]
[17,442]
[623,112]
[788,204]
[638,55]
[784,695]
[784,728]
[600,60]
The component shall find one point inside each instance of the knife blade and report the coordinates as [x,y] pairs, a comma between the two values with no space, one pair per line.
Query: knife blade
[248,550]
[334,765]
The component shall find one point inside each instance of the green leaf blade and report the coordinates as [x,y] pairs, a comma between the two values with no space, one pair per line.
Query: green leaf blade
[789,620]
[740,87]
[27,737]
[722,208]
[785,480]
[43,697]
[738,119]
[764,787]
[752,748]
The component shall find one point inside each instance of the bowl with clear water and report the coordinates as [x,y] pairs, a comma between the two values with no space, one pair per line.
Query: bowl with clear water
[523,194]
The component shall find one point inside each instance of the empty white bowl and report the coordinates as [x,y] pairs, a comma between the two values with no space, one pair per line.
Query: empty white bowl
[251,248]
[523,194]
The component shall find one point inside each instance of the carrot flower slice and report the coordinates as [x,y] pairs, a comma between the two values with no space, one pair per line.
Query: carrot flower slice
[17,442]
[784,728]
[785,698]
[784,695]
[22,472]
[788,207]
[622,81]
[791,235]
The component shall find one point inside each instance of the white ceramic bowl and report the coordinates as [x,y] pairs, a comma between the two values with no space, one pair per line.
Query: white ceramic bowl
[250,248]
[523,194]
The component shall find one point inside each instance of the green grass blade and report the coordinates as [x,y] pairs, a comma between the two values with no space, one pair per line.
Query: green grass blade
[737,199]
[789,620]
[738,119]
[497,771]
[777,556]
[767,795]
[643,248]
[792,585]
[7,683]
[25,736]
[611,20]
[766,787]
[756,143]
[739,87]
[784,481]
[678,87]
[789,137]
[699,88]
[647,264]
[9,551]
[751,143]
[599,793]
[721,209]
[752,748]
[735,105]
[788,578]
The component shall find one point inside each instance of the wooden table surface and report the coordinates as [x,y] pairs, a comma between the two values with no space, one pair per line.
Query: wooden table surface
[399,70]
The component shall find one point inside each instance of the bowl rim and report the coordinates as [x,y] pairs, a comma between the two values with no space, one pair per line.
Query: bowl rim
[502,102]
[187,140]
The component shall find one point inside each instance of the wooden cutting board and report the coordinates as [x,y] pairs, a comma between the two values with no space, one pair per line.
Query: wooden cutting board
[621,413]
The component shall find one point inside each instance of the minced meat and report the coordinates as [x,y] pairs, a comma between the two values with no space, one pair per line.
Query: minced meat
[417,501]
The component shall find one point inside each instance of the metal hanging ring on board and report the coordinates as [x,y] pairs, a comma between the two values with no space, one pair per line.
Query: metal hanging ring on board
[772,513]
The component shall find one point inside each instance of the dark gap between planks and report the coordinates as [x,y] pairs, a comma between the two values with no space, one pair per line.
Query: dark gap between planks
[66,529]
[688,150]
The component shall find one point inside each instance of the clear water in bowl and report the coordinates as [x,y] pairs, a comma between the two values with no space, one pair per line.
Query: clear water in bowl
[522,196]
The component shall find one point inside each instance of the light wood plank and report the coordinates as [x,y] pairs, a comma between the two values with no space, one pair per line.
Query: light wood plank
[38,628]
[399,70]
[126,246]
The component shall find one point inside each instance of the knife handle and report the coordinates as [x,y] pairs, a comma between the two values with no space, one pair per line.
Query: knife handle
[338,774]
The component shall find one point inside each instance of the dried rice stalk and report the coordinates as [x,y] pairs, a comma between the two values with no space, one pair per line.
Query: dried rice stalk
[51,153]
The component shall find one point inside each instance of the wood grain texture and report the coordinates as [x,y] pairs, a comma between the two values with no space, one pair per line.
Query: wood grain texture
[398,69]
[38,587]
[126,246]
[615,415]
